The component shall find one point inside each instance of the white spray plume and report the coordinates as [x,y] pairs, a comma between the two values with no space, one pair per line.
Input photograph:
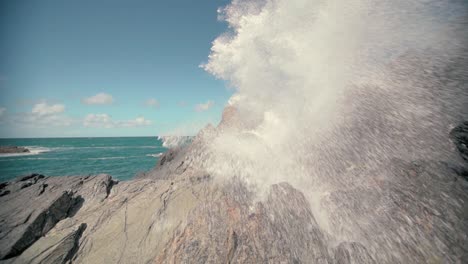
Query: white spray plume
[328,92]
[322,80]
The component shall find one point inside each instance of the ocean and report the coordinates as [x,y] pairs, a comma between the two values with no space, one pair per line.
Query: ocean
[121,157]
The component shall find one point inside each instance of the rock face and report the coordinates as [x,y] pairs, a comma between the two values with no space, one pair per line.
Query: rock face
[13,149]
[34,204]
[460,137]
[177,213]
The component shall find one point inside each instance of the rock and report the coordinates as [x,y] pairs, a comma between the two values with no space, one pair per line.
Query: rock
[352,253]
[179,213]
[13,149]
[459,136]
[55,248]
[35,225]
[229,227]
[173,161]
[29,213]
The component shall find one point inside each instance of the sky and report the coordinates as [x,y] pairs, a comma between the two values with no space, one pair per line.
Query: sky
[108,67]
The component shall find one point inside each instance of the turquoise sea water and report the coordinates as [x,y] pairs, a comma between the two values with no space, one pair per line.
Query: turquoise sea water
[120,157]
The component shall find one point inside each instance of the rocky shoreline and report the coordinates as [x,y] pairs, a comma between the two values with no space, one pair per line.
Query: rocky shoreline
[177,213]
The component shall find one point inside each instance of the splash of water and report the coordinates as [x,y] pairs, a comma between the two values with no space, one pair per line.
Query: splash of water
[174,141]
[329,94]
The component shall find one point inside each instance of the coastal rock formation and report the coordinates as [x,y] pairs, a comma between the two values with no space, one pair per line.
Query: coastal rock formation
[13,149]
[177,213]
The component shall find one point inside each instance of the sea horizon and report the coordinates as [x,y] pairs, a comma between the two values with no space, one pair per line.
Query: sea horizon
[90,137]
[121,157]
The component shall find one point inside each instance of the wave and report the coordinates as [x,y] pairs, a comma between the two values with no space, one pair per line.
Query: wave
[116,157]
[38,159]
[107,158]
[107,147]
[157,155]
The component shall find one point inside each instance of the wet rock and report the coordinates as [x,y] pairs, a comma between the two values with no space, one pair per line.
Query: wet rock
[179,213]
[352,253]
[459,137]
[229,227]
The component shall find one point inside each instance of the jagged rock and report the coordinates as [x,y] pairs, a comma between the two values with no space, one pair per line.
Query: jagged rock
[56,248]
[29,213]
[173,162]
[229,227]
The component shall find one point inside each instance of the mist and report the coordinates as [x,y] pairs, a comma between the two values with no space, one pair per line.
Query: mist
[330,95]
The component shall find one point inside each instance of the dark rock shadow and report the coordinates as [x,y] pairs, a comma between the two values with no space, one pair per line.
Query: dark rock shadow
[78,202]
[76,239]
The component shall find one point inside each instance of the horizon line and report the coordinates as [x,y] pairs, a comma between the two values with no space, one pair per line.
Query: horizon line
[88,137]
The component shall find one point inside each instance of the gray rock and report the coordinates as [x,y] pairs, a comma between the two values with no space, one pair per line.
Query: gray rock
[352,253]
[178,213]
[229,227]
[13,149]
[55,248]
[30,211]
[459,137]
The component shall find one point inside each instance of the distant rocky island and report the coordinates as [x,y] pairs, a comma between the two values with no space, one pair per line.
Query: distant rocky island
[13,149]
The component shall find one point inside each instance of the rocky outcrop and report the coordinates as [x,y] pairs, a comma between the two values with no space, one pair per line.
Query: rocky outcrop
[32,206]
[13,149]
[54,248]
[231,228]
[178,213]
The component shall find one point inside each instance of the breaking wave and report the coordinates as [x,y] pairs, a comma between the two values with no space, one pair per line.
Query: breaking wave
[172,141]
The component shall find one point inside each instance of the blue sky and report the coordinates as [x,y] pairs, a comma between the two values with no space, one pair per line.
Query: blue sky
[107,67]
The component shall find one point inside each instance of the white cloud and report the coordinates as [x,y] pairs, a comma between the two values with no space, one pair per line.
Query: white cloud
[98,99]
[153,103]
[204,107]
[43,109]
[42,115]
[106,121]
[137,122]
[98,120]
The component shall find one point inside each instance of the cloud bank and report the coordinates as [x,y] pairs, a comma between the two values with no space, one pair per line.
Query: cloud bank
[106,121]
[43,109]
[41,115]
